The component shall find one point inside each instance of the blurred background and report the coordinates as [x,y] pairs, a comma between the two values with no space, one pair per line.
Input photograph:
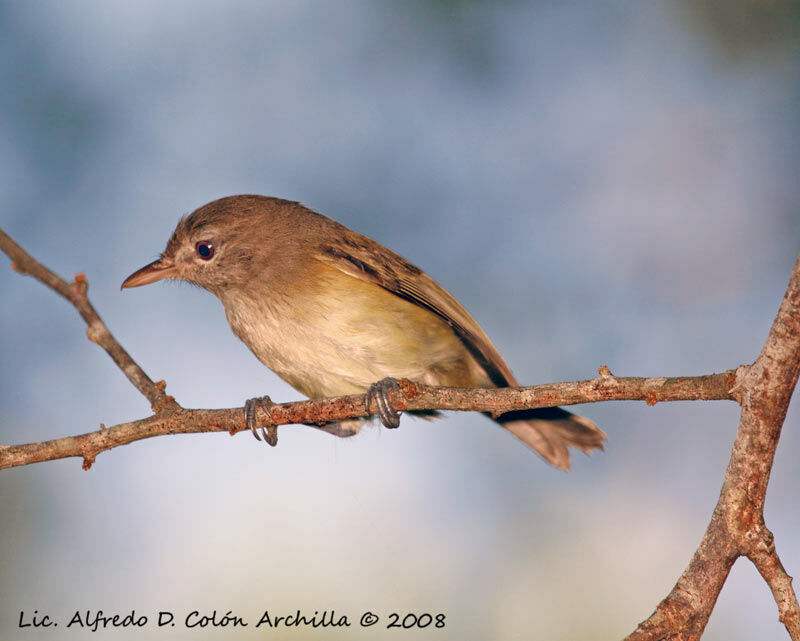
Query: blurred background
[598,183]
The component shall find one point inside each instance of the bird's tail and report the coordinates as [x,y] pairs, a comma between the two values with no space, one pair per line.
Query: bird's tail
[549,431]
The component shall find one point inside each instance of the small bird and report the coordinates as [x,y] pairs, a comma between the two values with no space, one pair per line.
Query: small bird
[333,312]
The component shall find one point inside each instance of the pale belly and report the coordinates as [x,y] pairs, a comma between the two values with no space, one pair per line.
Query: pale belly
[346,335]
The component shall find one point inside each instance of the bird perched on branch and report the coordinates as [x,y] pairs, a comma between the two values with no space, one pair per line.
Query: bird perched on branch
[333,312]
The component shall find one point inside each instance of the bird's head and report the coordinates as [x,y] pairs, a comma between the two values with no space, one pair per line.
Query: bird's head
[222,245]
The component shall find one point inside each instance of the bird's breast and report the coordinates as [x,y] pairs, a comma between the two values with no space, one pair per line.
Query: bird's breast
[330,333]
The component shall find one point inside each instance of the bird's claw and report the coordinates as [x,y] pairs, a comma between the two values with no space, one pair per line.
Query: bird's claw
[379,391]
[270,430]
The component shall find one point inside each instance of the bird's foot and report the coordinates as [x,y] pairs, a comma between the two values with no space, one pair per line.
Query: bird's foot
[379,391]
[270,430]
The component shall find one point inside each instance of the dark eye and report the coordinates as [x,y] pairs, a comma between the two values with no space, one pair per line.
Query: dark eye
[204,249]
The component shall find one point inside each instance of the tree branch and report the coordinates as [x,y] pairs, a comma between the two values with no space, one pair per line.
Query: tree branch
[737,527]
[410,396]
[75,292]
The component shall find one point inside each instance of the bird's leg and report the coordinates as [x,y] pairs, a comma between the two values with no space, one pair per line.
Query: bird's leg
[389,416]
[270,430]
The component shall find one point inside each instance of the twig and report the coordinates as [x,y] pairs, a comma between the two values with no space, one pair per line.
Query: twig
[97,332]
[410,396]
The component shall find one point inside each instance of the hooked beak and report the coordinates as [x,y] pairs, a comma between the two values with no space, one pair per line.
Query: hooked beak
[157,270]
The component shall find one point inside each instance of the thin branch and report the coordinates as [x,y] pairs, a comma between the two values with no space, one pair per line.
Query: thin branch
[75,293]
[737,526]
[769,565]
[410,396]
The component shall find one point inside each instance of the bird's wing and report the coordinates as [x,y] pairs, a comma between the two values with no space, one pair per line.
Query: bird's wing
[368,260]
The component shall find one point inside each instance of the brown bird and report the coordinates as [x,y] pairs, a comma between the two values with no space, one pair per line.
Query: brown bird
[332,312]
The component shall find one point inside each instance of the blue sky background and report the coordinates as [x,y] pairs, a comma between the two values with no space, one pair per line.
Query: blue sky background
[598,183]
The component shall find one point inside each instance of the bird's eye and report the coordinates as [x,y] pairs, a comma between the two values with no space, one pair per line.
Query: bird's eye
[204,249]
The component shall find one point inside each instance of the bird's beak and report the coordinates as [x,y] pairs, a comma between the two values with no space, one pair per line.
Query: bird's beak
[157,270]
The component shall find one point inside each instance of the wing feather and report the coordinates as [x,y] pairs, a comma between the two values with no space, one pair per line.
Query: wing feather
[368,260]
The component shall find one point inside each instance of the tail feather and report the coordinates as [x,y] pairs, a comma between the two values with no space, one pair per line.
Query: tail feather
[549,431]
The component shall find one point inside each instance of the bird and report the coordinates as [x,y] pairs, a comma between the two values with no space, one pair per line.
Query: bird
[333,312]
